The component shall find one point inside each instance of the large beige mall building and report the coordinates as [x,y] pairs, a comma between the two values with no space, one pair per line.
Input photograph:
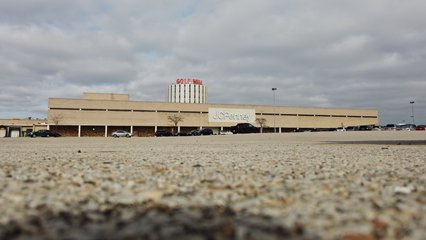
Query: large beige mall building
[99,114]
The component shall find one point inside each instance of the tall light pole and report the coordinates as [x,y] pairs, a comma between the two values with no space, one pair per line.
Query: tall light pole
[412,110]
[273,90]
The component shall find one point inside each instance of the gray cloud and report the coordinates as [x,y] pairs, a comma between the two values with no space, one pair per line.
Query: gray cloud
[328,53]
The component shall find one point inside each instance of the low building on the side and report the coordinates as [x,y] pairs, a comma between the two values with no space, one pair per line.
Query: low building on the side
[99,114]
[17,127]
[3,131]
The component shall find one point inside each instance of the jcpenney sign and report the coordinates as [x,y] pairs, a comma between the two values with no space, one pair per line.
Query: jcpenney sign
[232,115]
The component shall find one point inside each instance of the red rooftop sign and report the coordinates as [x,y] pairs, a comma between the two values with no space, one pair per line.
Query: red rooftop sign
[189,81]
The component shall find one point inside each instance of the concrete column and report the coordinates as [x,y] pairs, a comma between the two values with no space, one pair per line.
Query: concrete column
[221,128]
[178,129]
[131,130]
[197,93]
[79,130]
[48,127]
[155,128]
[106,130]
[279,130]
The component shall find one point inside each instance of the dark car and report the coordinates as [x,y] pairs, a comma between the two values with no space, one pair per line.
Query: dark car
[390,127]
[421,128]
[183,133]
[163,133]
[365,128]
[204,131]
[44,133]
[195,132]
[352,128]
[244,128]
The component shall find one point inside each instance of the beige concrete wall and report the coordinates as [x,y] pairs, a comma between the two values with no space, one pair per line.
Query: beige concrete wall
[22,122]
[143,113]
[106,96]
[318,122]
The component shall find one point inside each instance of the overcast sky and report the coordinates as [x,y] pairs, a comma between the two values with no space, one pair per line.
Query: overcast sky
[328,53]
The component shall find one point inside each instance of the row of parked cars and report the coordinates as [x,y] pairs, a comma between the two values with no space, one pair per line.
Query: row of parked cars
[404,127]
[198,132]
[239,128]
[388,127]
[246,128]
[50,133]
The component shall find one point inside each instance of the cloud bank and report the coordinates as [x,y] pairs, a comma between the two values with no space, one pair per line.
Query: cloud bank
[357,54]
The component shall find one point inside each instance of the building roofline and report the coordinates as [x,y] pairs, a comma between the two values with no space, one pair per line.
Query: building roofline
[209,104]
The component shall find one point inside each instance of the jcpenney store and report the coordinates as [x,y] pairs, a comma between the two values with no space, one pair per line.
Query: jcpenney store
[99,114]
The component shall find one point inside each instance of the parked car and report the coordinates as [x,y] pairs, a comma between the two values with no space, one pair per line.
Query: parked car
[244,128]
[377,128]
[223,132]
[204,131]
[341,129]
[365,128]
[421,128]
[163,133]
[390,127]
[44,133]
[352,128]
[405,127]
[195,132]
[183,133]
[121,133]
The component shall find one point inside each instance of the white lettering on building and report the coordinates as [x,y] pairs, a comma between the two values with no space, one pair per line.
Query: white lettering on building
[232,115]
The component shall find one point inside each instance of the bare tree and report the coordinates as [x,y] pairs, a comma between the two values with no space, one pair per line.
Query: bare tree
[262,123]
[56,118]
[175,119]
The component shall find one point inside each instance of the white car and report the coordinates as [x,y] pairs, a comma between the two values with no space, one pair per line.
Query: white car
[405,127]
[121,133]
[222,132]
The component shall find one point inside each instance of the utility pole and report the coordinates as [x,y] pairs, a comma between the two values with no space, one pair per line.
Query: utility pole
[273,90]
[412,110]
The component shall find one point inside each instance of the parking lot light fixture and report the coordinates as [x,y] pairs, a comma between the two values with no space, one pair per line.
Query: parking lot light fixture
[273,90]
[412,110]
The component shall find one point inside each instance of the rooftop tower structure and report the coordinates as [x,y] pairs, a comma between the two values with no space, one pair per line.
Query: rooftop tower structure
[187,90]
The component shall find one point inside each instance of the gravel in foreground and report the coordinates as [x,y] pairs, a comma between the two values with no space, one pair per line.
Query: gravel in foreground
[269,186]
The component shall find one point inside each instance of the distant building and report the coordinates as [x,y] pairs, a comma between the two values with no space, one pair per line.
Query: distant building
[99,114]
[187,90]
